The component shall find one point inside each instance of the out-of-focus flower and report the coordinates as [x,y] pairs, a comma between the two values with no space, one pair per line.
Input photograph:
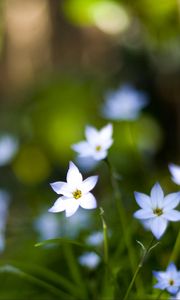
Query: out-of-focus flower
[168,280]
[87,164]
[157,209]
[81,220]
[47,226]
[176,297]
[95,239]
[8,148]
[97,143]
[4,204]
[124,103]
[89,260]
[175,172]
[75,192]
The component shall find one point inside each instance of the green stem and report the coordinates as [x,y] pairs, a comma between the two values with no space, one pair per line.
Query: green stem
[141,263]
[123,221]
[105,235]
[175,251]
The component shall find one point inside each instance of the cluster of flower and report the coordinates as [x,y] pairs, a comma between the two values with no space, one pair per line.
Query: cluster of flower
[155,210]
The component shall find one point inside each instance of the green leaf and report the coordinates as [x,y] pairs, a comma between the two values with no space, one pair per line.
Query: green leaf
[48,276]
[36,281]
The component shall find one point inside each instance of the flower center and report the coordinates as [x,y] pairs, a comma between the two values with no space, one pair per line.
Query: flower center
[77,194]
[158,211]
[98,148]
[171,282]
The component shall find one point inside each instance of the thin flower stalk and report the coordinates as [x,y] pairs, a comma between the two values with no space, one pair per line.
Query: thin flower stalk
[123,221]
[105,235]
[140,265]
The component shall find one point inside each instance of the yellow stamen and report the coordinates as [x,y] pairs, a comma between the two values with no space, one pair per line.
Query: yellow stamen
[158,211]
[77,194]
[98,148]
[171,282]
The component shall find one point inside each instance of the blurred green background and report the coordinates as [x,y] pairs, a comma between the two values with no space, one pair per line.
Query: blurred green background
[58,59]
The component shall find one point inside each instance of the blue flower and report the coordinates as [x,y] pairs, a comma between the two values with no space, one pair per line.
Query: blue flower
[157,210]
[168,280]
[124,104]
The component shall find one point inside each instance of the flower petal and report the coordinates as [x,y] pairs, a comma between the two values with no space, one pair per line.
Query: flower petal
[173,289]
[158,226]
[58,206]
[175,172]
[144,214]
[99,155]
[142,200]
[157,196]
[83,148]
[172,215]
[62,188]
[71,207]
[92,135]
[171,268]
[106,132]
[88,201]
[74,177]
[171,201]
[89,183]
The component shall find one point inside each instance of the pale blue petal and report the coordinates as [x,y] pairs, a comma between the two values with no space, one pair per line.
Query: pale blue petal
[171,268]
[144,214]
[158,226]
[175,172]
[172,215]
[88,184]
[161,285]
[83,148]
[157,196]
[142,200]
[92,135]
[171,201]
[59,205]
[173,289]
[71,207]
[56,186]
[74,177]
[106,132]
[88,201]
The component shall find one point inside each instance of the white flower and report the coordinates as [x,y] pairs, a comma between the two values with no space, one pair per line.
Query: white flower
[176,297]
[157,210]
[124,104]
[75,192]
[8,148]
[97,143]
[89,259]
[168,280]
[175,172]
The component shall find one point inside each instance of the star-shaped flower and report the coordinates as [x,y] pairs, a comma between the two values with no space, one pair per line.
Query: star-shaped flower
[175,172]
[97,143]
[124,104]
[168,280]
[157,210]
[75,192]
